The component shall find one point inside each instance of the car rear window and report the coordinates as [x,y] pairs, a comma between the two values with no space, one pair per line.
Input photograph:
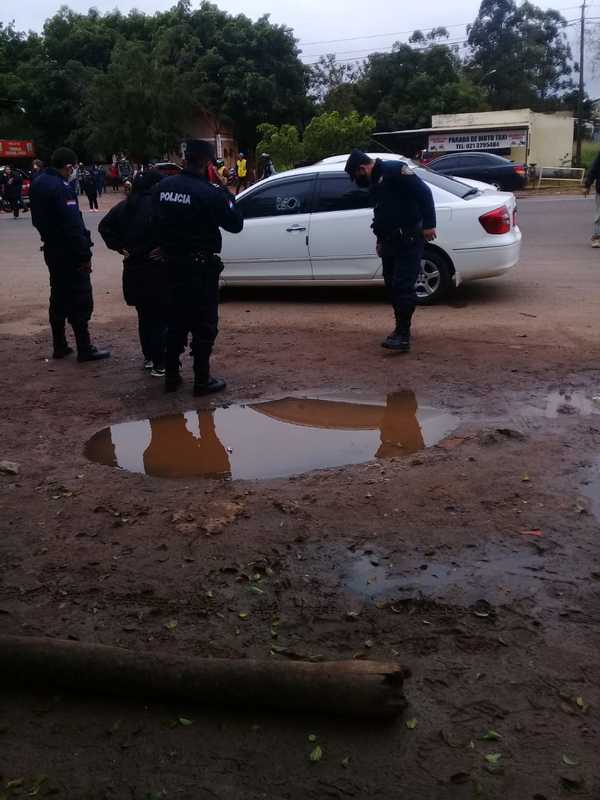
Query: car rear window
[457,188]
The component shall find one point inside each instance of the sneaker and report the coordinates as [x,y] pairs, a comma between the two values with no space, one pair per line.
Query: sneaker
[158,372]
[148,363]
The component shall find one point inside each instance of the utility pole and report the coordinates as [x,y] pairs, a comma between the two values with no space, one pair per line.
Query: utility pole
[581,86]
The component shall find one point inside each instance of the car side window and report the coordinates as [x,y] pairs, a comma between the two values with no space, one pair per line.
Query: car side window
[338,193]
[279,199]
[446,163]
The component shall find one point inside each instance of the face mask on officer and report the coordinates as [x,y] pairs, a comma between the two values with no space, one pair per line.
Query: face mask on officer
[362,178]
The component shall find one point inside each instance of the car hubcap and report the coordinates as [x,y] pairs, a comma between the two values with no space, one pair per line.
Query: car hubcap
[429,279]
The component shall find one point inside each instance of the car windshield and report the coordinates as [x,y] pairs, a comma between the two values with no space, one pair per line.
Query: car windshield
[451,185]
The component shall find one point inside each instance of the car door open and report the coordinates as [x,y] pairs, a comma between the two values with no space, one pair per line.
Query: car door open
[274,243]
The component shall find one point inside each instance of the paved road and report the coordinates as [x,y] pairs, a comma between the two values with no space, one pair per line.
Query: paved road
[557,281]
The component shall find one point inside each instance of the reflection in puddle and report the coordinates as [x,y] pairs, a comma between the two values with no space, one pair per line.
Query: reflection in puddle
[273,439]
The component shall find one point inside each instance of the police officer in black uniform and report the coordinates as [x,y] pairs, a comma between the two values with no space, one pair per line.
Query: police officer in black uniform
[189,212]
[403,220]
[67,247]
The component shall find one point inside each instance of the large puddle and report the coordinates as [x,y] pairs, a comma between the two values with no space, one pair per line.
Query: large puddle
[274,439]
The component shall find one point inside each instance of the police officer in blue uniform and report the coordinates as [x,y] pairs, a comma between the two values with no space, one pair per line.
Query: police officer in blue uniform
[404,219]
[189,212]
[67,247]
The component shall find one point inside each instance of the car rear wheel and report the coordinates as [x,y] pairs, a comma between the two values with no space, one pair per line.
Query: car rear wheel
[435,279]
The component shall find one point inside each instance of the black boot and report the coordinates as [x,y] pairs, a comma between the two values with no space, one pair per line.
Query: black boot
[399,340]
[85,349]
[173,379]
[204,384]
[60,345]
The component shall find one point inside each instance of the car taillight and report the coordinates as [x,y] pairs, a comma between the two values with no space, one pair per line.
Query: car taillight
[496,221]
[520,170]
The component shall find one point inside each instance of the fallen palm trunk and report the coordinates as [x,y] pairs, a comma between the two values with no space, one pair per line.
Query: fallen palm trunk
[360,688]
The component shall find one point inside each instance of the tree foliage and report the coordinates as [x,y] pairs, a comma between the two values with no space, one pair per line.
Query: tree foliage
[132,82]
[521,53]
[326,135]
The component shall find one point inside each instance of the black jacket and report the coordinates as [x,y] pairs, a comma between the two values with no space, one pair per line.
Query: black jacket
[129,226]
[593,175]
[12,188]
[402,199]
[55,213]
[189,212]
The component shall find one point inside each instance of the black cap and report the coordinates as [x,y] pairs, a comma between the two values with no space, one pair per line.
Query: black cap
[146,180]
[199,150]
[62,157]
[357,159]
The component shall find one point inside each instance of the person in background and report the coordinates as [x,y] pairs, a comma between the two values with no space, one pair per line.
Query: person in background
[593,177]
[189,213]
[267,168]
[36,169]
[222,170]
[100,178]
[113,174]
[88,181]
[242,172]
[13,186]
[67,247]
[129,229]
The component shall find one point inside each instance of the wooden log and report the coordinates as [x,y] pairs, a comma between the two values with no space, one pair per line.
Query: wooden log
[355,688]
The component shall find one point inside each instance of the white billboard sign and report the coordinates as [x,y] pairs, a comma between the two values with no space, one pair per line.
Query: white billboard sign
[483,140]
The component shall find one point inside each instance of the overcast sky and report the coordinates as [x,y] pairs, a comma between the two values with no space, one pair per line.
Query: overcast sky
[372,25]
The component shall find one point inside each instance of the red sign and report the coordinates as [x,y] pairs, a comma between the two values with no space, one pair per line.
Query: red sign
[12,148]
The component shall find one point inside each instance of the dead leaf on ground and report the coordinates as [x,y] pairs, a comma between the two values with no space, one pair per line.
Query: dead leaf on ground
[224,515]
[569,762]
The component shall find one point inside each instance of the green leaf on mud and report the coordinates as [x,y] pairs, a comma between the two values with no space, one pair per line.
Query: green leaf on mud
[570,762]
[170,626]
[493,758]
[491,736]
[316,754]
[243,615]
[256,590]
[411,724]
[312,737]
[15,783]
[580,703]
[346,762]
[185,721]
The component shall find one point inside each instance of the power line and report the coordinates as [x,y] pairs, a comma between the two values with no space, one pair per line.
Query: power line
[404,33]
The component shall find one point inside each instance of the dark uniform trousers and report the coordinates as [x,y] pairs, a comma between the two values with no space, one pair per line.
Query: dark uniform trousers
[71,298]
[401,258]
[193,309]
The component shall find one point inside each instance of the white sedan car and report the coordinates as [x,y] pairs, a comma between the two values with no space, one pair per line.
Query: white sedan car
[312,226]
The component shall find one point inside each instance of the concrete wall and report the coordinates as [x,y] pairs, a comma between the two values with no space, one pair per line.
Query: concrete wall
[551,140]
[511,117]
[551,135]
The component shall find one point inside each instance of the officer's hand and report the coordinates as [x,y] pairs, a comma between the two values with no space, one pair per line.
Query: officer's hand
[379,249]
[429,234]
[86,267]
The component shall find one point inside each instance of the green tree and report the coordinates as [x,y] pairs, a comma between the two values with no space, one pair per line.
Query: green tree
[330,134]
[283,144]
[402,89]
[521,53]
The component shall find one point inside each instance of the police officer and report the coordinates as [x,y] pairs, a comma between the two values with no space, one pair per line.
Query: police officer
[67,247]
[189,212]
[403,220]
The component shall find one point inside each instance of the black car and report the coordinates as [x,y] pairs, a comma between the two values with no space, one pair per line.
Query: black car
[486,167]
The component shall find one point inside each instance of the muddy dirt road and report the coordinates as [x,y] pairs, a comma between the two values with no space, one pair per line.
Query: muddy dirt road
[472,557]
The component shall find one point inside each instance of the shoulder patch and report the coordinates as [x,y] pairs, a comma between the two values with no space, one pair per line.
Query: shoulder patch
[406,170]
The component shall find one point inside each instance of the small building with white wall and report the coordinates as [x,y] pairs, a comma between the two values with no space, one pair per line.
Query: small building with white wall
[522,135]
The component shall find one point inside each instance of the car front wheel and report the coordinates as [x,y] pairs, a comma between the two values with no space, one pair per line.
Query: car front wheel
[435,279]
